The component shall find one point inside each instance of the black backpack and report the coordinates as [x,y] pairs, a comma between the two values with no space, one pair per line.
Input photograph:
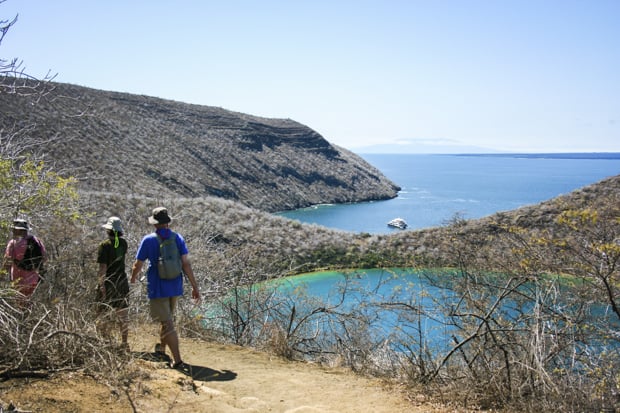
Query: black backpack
[33,257]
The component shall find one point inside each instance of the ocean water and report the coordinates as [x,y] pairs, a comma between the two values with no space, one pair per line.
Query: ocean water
[437,187]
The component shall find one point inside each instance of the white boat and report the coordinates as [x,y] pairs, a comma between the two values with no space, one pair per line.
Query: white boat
[398,223]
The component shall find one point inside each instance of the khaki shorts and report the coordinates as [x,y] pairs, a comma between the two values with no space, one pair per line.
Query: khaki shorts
[162,309]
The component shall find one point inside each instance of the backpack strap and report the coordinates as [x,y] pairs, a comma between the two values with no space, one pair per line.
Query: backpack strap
[160,239]
[115,254]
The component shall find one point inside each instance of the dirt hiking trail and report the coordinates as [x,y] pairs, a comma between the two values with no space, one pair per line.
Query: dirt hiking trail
[221,378]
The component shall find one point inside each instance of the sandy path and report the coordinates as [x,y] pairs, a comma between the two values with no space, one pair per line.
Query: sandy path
[223,378]
[233,379]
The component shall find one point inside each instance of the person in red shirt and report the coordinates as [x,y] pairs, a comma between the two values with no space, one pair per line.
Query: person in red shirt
[24,273]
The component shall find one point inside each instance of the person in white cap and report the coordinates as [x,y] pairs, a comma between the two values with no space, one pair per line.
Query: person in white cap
[113,286]
[163,293]
[24,257]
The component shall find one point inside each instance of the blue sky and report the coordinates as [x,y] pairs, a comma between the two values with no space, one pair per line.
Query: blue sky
[422,76]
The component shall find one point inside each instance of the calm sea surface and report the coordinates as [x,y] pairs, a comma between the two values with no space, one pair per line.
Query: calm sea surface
[436,187]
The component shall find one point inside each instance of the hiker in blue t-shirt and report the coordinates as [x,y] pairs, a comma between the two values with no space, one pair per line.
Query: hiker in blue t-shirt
[164,293]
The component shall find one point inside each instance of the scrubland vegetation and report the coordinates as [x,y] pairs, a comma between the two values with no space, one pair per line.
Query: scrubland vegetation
[528,299]
[518,303]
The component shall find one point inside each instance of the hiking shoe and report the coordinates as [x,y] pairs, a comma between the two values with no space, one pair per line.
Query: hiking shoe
[158,349]
[180,366]
[159,354]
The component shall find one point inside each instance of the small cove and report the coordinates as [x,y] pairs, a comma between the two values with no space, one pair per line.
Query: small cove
[436,187]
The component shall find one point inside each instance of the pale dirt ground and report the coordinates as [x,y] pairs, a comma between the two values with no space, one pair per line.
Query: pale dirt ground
[224,379]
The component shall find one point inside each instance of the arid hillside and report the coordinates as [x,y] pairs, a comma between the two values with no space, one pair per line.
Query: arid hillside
[295,247]
[118,142]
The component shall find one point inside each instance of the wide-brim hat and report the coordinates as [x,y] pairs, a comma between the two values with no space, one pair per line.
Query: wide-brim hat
[160,216]
[21,224]
[114,224]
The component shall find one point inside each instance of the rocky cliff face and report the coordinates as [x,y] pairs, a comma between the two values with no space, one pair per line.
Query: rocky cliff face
[140,145]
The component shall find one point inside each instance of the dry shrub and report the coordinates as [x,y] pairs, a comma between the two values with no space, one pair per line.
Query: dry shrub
[277,342]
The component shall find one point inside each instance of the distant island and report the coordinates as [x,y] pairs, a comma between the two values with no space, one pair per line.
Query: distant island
[566,155]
